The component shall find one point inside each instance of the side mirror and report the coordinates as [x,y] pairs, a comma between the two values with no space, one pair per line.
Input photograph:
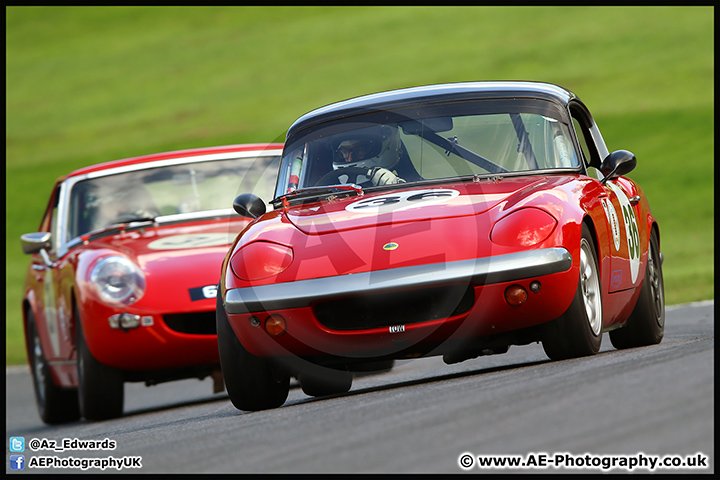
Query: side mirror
[619,162]
[34,242]
[249,205]
[38,242]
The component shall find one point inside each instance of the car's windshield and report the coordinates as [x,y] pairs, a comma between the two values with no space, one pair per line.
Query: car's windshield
[428,143]
[148,193]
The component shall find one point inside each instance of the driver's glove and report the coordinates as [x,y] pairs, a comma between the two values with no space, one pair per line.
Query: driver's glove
[383,176]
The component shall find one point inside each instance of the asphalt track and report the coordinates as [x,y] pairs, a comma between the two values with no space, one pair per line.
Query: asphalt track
[636,404]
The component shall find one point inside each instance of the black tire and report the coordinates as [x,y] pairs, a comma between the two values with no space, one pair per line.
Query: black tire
[372,368]
[322,381]
[250,381]
[578,332]
[100,388]
[646,324]
[55,404]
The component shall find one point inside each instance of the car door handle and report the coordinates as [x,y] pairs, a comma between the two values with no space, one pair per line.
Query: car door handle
[635,200]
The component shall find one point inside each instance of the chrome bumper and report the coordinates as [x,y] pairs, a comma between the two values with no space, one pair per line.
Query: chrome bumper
[481,271]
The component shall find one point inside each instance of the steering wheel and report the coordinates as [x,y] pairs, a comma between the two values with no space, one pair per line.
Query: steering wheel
[333,177]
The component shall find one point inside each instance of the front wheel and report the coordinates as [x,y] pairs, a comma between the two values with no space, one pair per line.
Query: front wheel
[578,332]
[251,382]
[55,404]
[646,324]
[100,388]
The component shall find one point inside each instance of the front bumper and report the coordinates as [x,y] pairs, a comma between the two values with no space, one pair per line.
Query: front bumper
[482,271]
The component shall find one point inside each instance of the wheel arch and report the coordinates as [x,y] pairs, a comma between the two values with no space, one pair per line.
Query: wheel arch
[587,221]
[27,307]
[75,319]
[656,229]
[652,228]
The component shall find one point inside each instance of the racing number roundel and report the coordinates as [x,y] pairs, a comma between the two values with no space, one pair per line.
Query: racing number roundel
[394,202]
[176,242]
[631,230]
[613,220]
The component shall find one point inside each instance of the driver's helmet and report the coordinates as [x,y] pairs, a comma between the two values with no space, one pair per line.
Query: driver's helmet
[368,148]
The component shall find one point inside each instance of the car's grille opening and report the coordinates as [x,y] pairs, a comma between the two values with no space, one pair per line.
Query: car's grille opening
[395,308]
[199,323]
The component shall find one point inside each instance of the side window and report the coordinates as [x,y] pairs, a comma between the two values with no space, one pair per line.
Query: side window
[54,222]
[49,222]
[80,211]
[581,141]
[582,124]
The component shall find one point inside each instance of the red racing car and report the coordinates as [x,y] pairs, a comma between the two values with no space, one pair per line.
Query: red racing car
[124,272]
[452,220]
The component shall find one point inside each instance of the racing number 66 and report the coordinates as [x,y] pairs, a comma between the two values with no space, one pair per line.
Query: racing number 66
[405,199]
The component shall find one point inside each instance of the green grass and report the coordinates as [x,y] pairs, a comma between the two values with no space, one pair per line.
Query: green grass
[91,84]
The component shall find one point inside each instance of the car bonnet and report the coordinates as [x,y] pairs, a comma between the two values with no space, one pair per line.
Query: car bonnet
[404,205]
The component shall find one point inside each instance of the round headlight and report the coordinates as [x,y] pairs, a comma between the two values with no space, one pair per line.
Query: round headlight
[118,280]
[523,228]
[259,260]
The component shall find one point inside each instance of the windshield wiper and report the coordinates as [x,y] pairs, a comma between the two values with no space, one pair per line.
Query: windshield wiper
[132,219]
[314,193]
[114,228]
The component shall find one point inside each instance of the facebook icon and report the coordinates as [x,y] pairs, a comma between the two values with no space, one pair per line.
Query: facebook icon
[17,462]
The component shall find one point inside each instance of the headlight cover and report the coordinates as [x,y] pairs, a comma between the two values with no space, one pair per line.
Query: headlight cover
[523,228]
[259,260]
[118,281]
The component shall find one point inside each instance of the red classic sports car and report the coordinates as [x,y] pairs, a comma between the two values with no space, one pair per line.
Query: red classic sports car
[124,273]
[451,220]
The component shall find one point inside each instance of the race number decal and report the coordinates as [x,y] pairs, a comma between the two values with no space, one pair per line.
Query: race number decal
[613,221]
[395,202]
[631,230]
[177,242]
[201,293]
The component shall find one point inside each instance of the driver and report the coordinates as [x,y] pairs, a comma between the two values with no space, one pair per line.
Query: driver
[132,203]
[377,149]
